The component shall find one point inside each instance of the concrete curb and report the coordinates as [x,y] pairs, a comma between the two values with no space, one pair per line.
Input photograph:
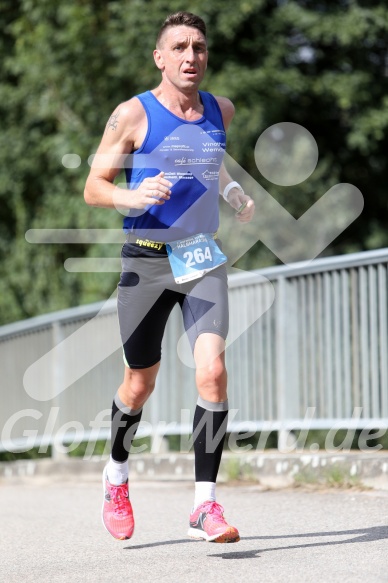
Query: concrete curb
[270,469]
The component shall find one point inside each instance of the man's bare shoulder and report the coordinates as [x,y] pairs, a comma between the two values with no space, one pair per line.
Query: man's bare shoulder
[127,126]
[227,109]
[127,115]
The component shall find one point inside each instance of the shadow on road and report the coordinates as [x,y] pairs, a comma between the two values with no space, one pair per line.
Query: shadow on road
[162,543]
[359,535]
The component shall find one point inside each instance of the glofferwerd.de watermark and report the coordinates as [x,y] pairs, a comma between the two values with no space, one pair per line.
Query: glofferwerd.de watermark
[359,434]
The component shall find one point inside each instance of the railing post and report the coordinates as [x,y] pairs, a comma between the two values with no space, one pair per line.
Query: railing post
[281,360]
[287,358]
[57,375]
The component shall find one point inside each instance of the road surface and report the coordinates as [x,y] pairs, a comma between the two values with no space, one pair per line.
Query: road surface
[51,531]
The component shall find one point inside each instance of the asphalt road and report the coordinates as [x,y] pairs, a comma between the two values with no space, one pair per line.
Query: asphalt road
[52,532]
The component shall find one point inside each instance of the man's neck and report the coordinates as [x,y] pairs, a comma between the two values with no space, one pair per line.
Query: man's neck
[184,104]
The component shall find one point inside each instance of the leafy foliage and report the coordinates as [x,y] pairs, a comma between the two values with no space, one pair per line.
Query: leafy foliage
[66,65]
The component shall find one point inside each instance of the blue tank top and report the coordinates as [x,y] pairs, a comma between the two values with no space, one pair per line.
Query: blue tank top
[190,154]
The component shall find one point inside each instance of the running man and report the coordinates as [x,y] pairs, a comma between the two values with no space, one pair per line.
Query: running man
[172,139]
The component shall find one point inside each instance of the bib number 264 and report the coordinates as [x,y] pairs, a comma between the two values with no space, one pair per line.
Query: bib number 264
[197,256]
[193,257]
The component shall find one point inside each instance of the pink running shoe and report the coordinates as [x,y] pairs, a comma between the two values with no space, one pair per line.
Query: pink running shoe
[207,522]
[117,514]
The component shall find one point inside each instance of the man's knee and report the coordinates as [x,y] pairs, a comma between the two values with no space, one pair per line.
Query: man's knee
[137,386]
[213,372]
[212,380]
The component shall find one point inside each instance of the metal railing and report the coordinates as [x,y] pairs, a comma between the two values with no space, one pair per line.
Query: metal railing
[316,357]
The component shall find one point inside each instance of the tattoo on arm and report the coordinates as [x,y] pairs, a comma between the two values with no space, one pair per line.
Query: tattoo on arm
[113,121]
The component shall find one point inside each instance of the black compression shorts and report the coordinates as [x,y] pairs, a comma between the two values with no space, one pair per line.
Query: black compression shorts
[147,293]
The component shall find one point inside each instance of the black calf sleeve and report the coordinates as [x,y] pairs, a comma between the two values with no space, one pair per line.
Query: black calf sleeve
[125,422]
[209,429]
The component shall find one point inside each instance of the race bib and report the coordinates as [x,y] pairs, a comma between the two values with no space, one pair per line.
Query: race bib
[193,257]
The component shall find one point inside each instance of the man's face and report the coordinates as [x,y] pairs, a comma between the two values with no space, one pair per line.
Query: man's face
[182,56]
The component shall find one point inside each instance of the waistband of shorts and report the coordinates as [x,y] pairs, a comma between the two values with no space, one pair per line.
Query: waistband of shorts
[148,244]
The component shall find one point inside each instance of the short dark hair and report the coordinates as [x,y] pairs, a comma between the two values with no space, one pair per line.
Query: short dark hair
[182,19]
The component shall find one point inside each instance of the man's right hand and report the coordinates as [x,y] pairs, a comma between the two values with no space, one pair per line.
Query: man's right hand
[154,190]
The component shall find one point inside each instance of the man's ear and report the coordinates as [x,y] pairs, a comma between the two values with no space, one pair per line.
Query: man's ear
[158,59]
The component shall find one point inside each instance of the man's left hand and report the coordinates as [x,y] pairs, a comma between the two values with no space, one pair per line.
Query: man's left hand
[243,204]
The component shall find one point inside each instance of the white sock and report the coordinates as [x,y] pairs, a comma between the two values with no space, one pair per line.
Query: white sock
[117,472]
[204,491]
